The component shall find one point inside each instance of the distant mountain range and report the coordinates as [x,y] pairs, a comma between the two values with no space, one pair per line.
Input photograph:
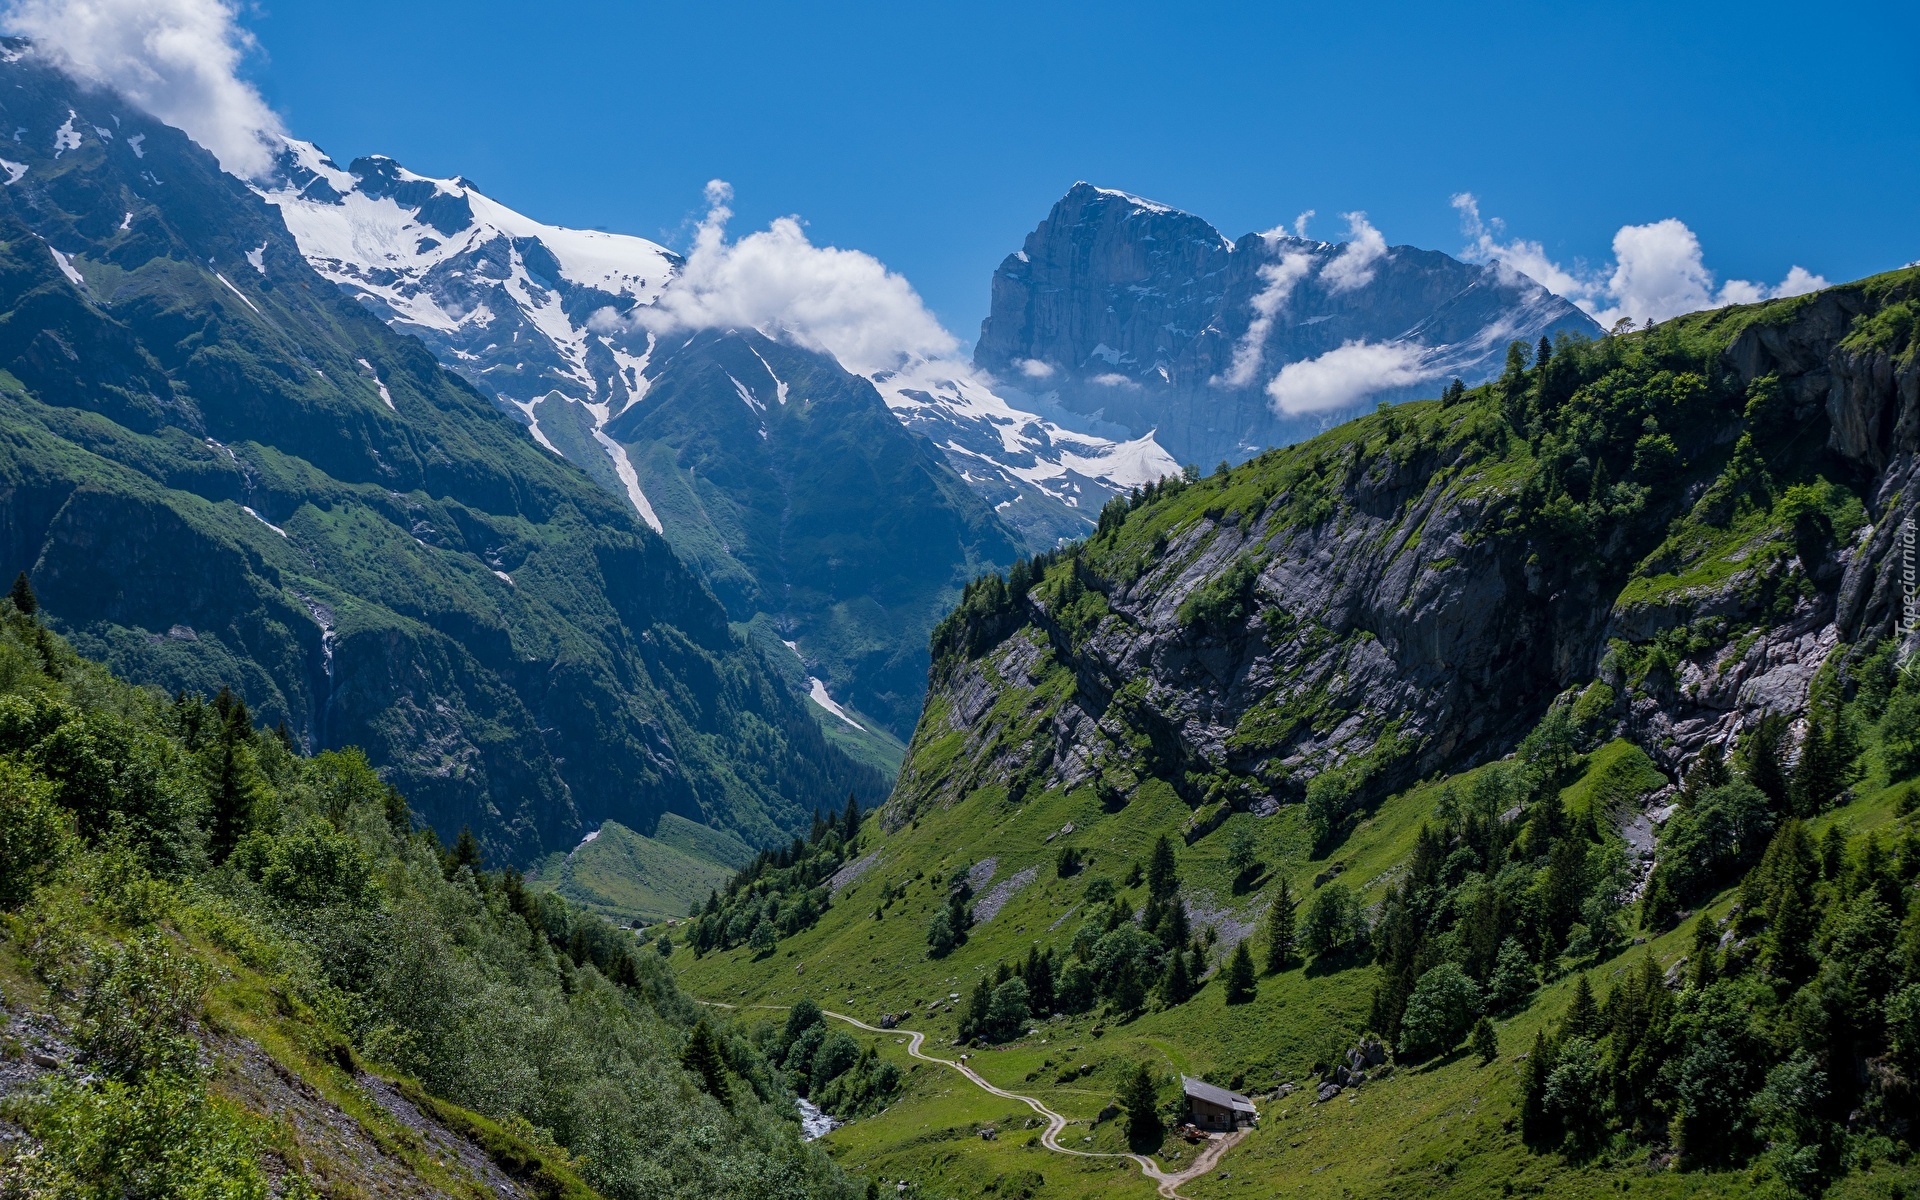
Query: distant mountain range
[833,532]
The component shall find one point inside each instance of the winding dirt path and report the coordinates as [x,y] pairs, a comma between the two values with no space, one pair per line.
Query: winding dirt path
[1169,1182]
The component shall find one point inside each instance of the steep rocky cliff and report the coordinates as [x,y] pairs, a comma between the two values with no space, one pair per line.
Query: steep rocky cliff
[1146,318]
[1679,526]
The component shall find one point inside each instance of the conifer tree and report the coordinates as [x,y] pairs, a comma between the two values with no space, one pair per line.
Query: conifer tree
[978,1019]
[235,785]
[1128,992]
[1833,853]
[625,973]
[1140,1100]
[1280,929]
[1038,974]
[1173,927]
[1537,1126]
[1786,877]
[466,852]
[1484,1041]
[1826,760]
[24,601]
[1766,762]
[850,820]
[1176,984]
[1706,944]
[1709,771]
[1163,873]
[1583,1014]
[1239,973]
[704,1058]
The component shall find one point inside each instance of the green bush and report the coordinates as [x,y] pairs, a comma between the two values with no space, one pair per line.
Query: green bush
[1334,920]
[1439,1013]
[34,832]
[160,1138]
[138,1012]
[1224,600]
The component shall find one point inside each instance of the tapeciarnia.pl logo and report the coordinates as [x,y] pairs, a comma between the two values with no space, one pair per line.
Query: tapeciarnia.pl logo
[1909,595]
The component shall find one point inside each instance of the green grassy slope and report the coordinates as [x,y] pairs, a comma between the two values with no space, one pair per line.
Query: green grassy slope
[626,876]
[1449,847]
[228,969]
[1442,1128]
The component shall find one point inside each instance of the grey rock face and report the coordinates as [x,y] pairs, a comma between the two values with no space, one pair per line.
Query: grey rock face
[1148,319]
[1401,609]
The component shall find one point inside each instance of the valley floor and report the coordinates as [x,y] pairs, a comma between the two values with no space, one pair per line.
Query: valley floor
[1448,1127]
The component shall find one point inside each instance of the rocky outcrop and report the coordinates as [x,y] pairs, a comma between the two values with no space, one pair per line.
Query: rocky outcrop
[1393,612]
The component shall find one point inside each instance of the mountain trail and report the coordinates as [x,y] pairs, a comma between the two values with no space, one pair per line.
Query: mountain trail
[1169,1182]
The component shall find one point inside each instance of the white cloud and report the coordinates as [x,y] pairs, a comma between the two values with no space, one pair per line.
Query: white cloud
[1354,266]
[1528,258]
[840,301]
[1033,368]
[1113,379]
[1659,270]
[1281,278]
[176,59]
[1345,376]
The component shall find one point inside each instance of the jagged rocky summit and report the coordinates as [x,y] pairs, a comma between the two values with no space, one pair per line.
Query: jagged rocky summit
[1148,321]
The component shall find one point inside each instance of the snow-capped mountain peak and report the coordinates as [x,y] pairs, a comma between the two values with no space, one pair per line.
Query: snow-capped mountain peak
[508,301]
[542,318]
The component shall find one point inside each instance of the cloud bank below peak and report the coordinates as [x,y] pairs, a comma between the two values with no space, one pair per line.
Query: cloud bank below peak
[177,60]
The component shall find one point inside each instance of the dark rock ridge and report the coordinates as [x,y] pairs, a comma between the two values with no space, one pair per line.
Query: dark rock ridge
[1408,593]
[219,470]
[1132,313]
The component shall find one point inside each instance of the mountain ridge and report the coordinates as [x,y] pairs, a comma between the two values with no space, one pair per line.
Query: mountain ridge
[222,472]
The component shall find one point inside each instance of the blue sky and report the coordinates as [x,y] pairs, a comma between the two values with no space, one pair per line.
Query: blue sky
[934,136]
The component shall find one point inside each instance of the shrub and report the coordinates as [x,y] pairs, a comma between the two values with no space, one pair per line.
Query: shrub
[940,936]
[1439,1013]
[1007,1011]
[1226,599]
[136,1017]
[1139,1099]
[1512,980]
[33,832]
[158,1139]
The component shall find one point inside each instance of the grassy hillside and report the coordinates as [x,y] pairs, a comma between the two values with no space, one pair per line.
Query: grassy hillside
[1565,709]
[227,969]
[627,877]
[1444,1127]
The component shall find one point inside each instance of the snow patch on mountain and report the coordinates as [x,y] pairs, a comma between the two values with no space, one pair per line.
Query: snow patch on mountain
[523,310]
[529,312]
